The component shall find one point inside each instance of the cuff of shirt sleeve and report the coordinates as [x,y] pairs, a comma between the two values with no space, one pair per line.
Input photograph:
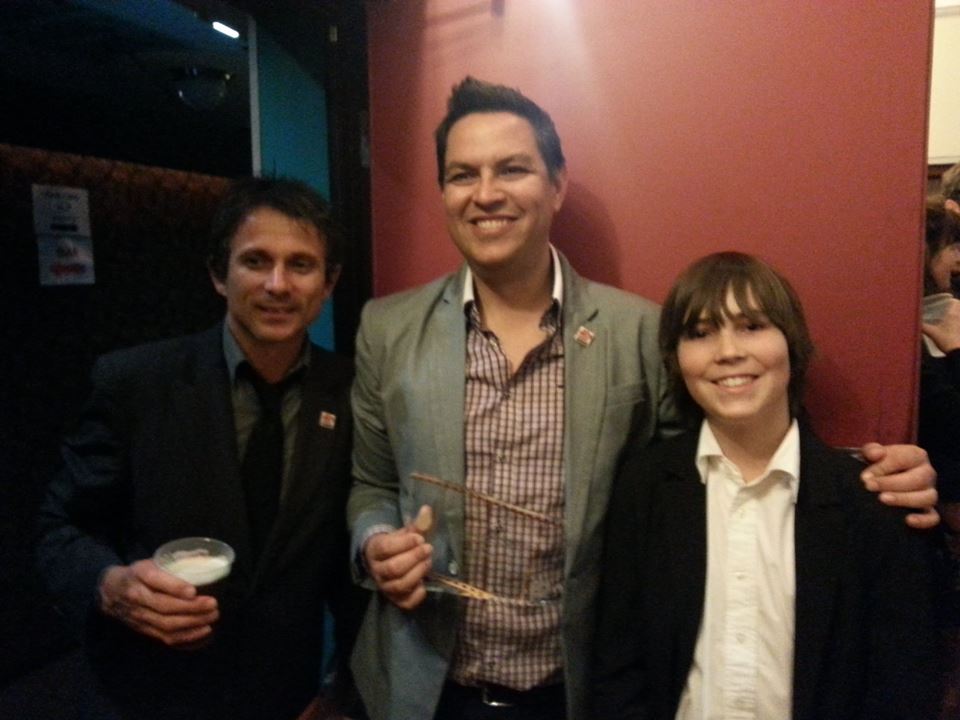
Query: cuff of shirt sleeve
[361,559]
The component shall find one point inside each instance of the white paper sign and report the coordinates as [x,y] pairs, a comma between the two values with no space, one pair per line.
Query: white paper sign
[60,210]
[61,222]
[65,260]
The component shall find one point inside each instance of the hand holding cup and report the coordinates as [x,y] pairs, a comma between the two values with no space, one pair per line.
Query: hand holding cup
[201,564]
[157,604]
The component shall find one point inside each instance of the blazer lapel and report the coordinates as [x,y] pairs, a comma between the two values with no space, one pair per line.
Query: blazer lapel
[315,445]
[445,387]
[818,534]
[203,407]
[681,505]
[585,372]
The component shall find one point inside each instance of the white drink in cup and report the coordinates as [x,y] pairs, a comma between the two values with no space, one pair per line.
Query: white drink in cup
[200,561]
[203,562]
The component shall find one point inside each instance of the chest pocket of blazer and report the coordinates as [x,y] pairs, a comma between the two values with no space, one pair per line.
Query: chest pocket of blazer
[624,406]
[632,394]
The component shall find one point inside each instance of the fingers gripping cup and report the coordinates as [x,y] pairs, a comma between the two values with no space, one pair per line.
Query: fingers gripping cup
[202,562]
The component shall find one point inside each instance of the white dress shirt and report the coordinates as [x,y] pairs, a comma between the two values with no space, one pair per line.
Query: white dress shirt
[743,661]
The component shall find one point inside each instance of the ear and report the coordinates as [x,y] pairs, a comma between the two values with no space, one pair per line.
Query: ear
[952,205]
[332,275]
[219,285]
[560,188]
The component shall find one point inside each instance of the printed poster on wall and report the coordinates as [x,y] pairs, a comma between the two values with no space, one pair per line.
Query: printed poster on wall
[61,222]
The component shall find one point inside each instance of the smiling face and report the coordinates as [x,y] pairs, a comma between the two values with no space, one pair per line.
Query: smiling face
[276,281]
[498,194]
[738,370]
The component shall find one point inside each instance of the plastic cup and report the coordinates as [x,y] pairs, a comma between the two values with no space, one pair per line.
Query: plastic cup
[934,307]
[201,561]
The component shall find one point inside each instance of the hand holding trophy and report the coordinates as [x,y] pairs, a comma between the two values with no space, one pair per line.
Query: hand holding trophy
[511,535]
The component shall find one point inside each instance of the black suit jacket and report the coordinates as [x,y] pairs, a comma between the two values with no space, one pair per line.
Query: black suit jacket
[153,458]
[938,427]
[864,640]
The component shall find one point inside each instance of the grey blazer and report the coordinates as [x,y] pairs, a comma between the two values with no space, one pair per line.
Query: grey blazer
[408,401]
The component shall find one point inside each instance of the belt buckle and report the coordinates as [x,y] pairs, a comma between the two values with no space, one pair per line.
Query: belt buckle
[489,701]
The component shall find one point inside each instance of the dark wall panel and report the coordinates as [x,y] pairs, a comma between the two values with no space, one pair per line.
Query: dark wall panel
[149,228]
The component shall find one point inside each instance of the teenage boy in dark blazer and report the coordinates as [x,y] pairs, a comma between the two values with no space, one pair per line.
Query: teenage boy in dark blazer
[747,572]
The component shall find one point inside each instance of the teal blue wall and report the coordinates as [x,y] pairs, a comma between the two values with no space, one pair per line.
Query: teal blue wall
[293,143]
[293,136]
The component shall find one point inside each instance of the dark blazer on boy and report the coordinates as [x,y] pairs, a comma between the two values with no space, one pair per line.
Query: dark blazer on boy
[154,458]
[864,640]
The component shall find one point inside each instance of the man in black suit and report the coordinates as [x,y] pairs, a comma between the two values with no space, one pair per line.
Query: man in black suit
[161,452]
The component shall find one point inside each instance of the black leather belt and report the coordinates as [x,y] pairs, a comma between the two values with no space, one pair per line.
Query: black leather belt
[498,696]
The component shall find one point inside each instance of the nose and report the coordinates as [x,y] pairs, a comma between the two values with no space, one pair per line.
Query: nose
[487,190]
[276,280]
[728,345]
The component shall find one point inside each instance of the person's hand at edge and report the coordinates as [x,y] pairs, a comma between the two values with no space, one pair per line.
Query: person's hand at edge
[904,477]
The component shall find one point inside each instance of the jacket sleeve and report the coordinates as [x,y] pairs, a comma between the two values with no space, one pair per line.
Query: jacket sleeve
[348,603]
[80,516]
[939,419]
[903,673]
[373,501]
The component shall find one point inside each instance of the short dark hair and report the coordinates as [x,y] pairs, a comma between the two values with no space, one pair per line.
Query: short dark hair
[942,231]
[701,292]
[476,96]
[293,198]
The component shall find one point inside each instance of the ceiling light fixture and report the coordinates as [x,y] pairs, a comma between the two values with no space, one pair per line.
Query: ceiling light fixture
[225,29]
[200,88]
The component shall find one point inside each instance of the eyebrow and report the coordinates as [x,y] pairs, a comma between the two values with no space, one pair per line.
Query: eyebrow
[516,157]
[750,315]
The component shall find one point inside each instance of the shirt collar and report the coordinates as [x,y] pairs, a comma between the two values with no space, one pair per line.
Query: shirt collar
[234,355]
[785,461]
[468,292]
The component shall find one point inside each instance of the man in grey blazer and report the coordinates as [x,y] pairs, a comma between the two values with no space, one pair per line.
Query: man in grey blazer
[514,379]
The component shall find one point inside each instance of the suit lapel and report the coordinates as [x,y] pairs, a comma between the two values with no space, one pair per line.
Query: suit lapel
[203,407]
[316,439]
[445,386]
[680,504]
[818,534]
[585,373]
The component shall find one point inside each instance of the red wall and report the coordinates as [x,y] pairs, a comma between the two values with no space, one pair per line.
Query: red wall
[795,130]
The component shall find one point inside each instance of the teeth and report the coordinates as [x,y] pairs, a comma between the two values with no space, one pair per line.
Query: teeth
[734,381]
[491,224]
